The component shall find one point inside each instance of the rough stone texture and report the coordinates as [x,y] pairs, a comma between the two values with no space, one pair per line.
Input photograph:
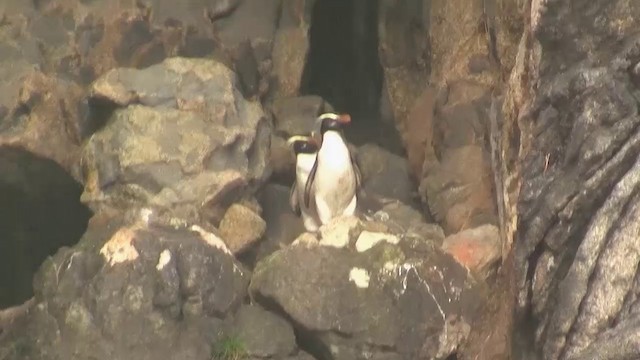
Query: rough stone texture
[340,231]
[130,289]
[172,143]
[399,216]
[297,115]
[291,46]
[264,334]
[404,50]
[241,227]
[459,189]
[478,249]
[382,303]
[385,174]
[570,171]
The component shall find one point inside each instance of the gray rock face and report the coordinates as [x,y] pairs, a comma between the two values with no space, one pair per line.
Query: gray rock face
[381,303]
[132,289]
[576,248]
[183,138]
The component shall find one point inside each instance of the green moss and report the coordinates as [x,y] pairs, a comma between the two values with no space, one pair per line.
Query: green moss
[229,348]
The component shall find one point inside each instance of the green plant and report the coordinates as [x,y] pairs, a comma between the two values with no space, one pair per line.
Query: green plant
[229,348]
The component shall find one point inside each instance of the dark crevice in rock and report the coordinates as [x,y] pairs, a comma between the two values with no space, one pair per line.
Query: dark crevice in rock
[40,212]
[343,67]
[99,111]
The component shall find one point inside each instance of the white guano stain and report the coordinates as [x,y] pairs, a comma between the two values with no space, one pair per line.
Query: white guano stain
[360,277]
[165,257]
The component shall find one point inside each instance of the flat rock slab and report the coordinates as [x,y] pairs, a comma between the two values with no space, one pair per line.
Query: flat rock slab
[380,301]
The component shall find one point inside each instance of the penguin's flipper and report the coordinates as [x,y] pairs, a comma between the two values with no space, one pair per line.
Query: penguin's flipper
[309,185]
[293,200]
[356,170]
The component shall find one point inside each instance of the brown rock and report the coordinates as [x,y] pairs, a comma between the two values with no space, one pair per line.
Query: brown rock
[419,130]
[241,227]
[477,249]
[48,119]
[289,58]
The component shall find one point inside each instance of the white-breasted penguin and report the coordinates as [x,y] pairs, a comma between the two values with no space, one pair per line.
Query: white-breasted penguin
[334,180]
[305,149]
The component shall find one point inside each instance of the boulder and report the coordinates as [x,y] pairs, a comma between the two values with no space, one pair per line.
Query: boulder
[478,249]
[385,174]
[132,287]
[241,227]
[386,302]
[180,136]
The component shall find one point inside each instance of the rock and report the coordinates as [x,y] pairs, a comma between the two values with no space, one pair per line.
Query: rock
[340,231]
[404,56]
[297,115]
[404,220]
[418,131]
[289,55]
[306,239]
[385,174]
[282,160]
[47,117]
[264,334]
[283,226]
[241,228]
[132,288]
[458,190]
[478,249]
[248,34]
[182,138]
[381,302]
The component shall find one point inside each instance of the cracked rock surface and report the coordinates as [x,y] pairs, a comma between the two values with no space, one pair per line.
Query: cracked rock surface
[387,302]
[577,249]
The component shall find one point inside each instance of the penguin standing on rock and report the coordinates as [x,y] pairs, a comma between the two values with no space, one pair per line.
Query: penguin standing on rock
[305,148]
[334,181]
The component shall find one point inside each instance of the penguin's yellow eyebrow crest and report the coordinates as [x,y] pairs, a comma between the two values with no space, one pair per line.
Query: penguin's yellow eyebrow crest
[342,118]
[297,138]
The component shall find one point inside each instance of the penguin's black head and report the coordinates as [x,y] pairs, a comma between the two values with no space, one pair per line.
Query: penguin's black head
[303,144]
[331,121]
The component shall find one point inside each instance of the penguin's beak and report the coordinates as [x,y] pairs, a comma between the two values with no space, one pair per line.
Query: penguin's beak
[344,119]
[315,138]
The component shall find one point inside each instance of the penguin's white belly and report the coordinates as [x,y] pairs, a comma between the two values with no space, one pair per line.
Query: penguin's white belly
[335,183]
[304,163]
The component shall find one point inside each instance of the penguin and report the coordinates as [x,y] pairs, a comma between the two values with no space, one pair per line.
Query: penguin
[334,181]
[305,148]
